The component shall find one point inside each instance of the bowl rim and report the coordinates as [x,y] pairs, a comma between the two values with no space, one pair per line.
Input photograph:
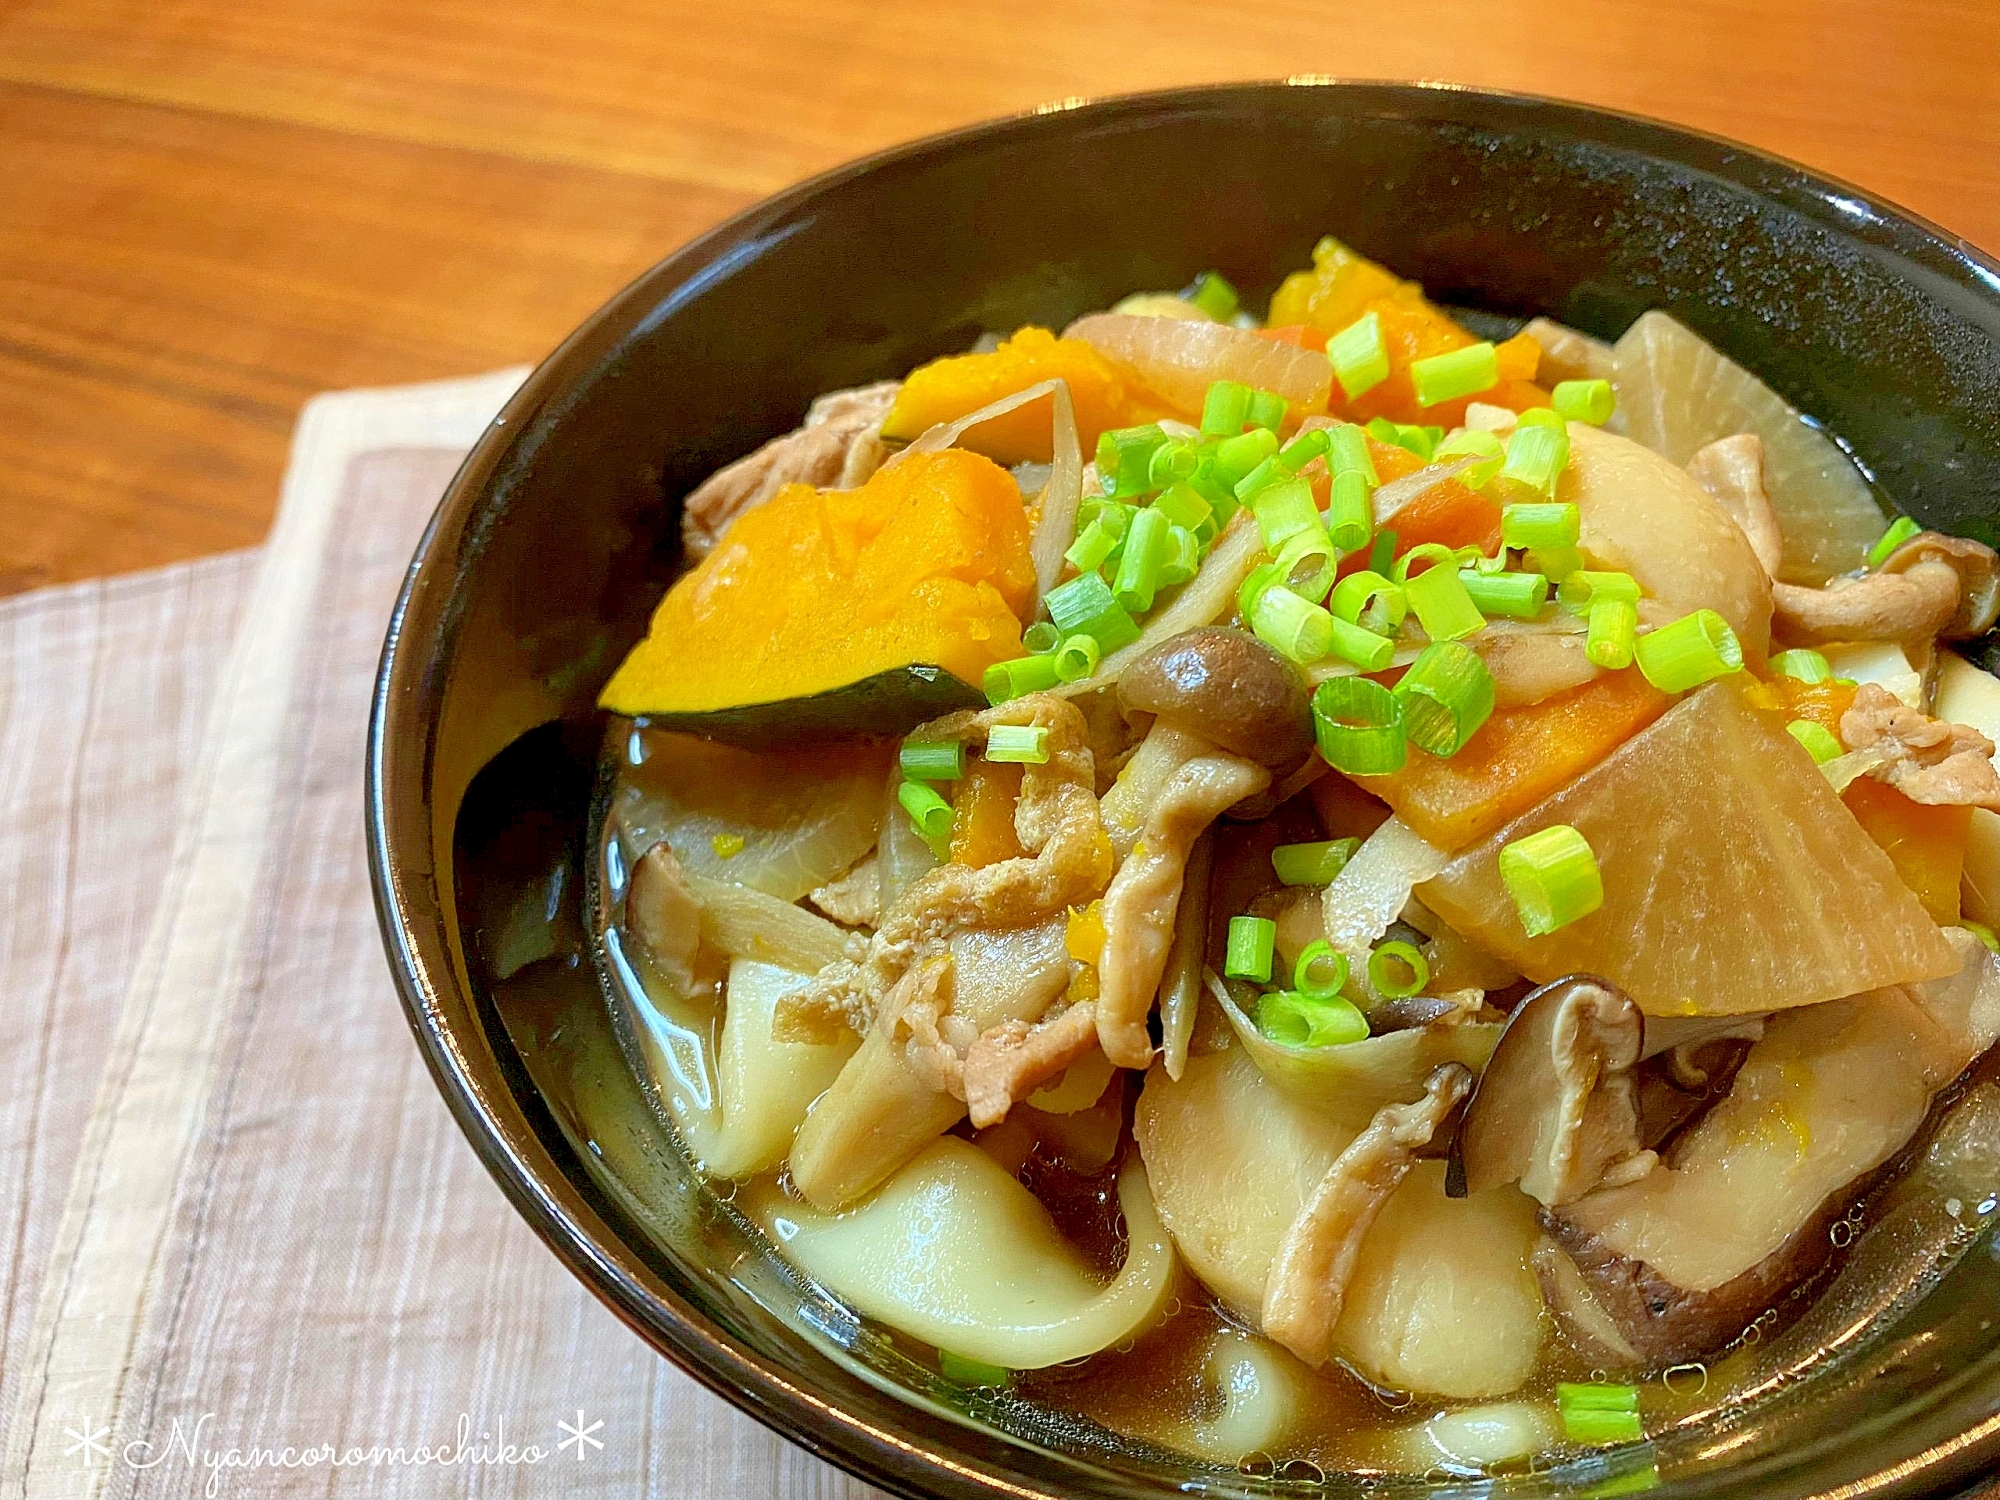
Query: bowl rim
[402,721]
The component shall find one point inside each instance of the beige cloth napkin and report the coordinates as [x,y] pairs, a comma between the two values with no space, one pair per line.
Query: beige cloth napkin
[243,1248]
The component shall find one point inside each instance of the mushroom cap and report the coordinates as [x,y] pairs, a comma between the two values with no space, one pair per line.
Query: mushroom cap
[1978,569]
[1228,688]
[1931,585]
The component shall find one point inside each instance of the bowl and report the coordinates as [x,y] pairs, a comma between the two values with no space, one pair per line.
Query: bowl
[560,532]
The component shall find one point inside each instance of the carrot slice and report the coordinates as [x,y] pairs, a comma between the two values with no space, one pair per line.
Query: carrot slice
[982,833]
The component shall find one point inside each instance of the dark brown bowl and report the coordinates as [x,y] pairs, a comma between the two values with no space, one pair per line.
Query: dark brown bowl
[559,534]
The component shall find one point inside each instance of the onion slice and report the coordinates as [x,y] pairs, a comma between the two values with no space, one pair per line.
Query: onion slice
[1373,889]
[1180,360]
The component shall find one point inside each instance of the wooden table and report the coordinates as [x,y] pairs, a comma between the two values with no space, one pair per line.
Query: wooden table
[210,209]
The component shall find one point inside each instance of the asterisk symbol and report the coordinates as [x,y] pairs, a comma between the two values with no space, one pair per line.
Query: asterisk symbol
[580,1434]
[89,1442]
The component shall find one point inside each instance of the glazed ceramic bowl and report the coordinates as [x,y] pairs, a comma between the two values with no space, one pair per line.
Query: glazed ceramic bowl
[560,534]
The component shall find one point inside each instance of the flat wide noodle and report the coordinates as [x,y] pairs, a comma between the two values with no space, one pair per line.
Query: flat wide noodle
[954,1251]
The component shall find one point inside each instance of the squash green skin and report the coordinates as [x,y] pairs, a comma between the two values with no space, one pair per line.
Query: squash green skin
[890,703]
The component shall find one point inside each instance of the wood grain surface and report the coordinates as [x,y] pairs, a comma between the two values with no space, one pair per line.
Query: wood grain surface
[211,209]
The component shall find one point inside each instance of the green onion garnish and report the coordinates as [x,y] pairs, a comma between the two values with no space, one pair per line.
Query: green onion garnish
[1303,449]
[1312,864]
[1589,401]
[932,760]
[1306,564]
[930,813]
[1981,931]
[1184,506]
[1473,443]
[1358,725]
[1817,738]
[1536,456]
[962,1371]
[1297,629]
[1613,634]
[1077,657]
[1248,953]
[1283,511]
[1115,514]
[1086,606]
[1020,744]
[1225,409]
[1350,517]
[1583,588]
[1093,547]
[1689,652]
[1267,410]
[1900,531]
[1266,474]
[1462,372]
[1382,556]
[1445,696]
[1214,296]
[1802,666]
[1540,525]
[1147,549]
[1557,563]
[1398,971]
[1125,457]
[1347,453]
[1421,441]
[1441,604]
[1041,637]
[1183,557]
[1553,877]
[1292,1018]
[1006,680]
[1235,457]
[1518,596]
[1371,601]
[1264,576]
[1174,460]
[1363,648]
[1320,973]
[1360,356]
[1598,1414]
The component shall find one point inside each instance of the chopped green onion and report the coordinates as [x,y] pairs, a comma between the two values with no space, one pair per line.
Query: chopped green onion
[1214,296]
[1541,416]
[1553,877]
[1349,515]
[1900,531]
[1225,409]
[1613,634]
[1077,657]
[1183,557]
[1557,563]
[1589,401]
[1541,525]
[1283,511]
[1479,562]
[1817,738]
[1536,456]
[1981,931]
[1632,1482]
[1441,604]
[1583,588]
[1802,666]
[1320,973]
[1518,596]
[727,845]
[1445,696]
[1461,372]
[930,813]
[1385,963]
[1297,629]
[1261,478]
[1235,457]
[1041,637]
[1307,563]
[1292,1018]
[1312,864]
[1473,443]
[1347,452]
[932,760]
[1689,652]
[1599,1414]
[1371,601]
[1420,558]
[962,1371]
[1145,555]
[1086,606]
[1249,949]
[1174,460]
[1267,410]
[1362,647]
[1421,441]
[1360,356]
[1382,556]
[1125,457]
[1264,576]
[1019,744]
[1303,449]
[1358,725]
[1115,514]
[1006,680]
[1184,506]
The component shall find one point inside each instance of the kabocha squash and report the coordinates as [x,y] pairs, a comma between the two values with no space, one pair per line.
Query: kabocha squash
[866,610]
[946,389]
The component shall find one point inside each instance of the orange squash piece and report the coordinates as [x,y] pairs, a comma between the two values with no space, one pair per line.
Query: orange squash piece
[1518,757]
[946,389]
[982,827]
[813,590]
